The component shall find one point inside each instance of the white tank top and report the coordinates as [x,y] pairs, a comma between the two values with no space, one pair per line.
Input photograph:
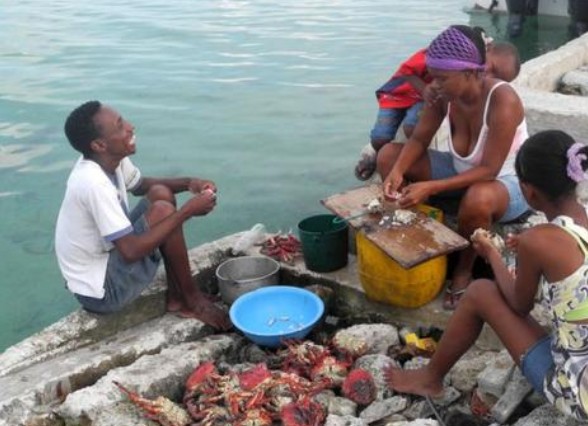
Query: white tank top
[474,159]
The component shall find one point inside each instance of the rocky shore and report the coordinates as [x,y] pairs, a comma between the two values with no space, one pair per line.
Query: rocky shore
[64,375]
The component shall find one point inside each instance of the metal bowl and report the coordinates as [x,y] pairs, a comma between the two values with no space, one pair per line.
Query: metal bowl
[243,274]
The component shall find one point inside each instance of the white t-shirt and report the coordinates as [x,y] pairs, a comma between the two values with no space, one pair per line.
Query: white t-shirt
[92,215]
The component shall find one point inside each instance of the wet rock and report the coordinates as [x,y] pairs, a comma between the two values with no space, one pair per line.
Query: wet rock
[449,396]
[336,405]
[151,375]
[516,390]
[326,294]
[464,374]
[378,337]
[39,386]
[546,415]
[333,420]
[575,82]
[381,409]
[253,354]
[417,422]
[418,410]
[494,378]
[394,418]
[375,365]
[457,418]
[535,400]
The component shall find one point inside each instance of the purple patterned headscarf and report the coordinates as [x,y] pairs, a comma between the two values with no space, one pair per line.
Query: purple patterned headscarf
[452,50]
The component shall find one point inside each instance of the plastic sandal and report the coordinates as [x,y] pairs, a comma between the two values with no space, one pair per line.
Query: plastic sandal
[452,298]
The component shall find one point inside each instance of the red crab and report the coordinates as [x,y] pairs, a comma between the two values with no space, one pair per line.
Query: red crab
[255,417]
[301,357]
[330,371]
[201,380]
[162,410]
[284,248]
[213,415]
[250,379]
[359,386]
[304,412]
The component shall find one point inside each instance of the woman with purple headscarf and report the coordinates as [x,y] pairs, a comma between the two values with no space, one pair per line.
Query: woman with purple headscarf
[488,126]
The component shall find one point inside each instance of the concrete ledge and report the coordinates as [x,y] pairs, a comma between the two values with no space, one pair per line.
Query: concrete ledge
[47,383]
[544,72]
[81,328]
[537,82]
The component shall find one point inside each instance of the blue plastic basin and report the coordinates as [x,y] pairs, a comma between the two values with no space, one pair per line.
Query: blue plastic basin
[270,315]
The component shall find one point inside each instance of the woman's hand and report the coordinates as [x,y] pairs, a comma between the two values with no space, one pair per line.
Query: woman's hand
[416,193]
[391,185]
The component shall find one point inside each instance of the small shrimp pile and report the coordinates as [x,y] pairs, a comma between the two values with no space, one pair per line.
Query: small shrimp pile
[283,248]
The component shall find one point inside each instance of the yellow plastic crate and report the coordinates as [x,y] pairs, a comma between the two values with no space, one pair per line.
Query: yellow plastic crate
[385,280]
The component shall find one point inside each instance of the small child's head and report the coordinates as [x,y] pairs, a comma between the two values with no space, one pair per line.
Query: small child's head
[552,162]
[502,61]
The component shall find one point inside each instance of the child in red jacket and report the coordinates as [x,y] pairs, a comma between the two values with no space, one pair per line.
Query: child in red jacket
[400,100]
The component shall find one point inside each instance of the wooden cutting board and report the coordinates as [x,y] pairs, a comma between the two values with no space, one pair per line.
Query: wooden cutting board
[409,245]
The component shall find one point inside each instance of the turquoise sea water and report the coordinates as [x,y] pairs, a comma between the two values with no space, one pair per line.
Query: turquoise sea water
[272,100]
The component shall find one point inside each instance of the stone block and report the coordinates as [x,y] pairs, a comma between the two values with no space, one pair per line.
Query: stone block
[516,391]
[494,378]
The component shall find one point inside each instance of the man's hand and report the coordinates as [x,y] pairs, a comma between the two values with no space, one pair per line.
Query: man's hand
[196,186]
[201,204]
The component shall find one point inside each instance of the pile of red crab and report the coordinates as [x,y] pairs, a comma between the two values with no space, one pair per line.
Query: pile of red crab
[262,396]
[283,248]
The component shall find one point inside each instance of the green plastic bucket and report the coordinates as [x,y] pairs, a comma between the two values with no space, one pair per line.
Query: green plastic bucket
[324,242]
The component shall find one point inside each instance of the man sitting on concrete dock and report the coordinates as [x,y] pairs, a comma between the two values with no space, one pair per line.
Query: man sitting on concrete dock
[109,254]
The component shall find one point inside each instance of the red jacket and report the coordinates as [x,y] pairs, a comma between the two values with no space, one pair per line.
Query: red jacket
[397,93]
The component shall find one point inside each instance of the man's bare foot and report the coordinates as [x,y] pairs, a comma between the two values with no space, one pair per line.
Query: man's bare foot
[185,313]
[211,297]
[173,305]
[212,315]
[415,382]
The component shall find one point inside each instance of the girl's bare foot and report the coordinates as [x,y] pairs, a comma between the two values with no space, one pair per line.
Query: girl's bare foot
[415,382]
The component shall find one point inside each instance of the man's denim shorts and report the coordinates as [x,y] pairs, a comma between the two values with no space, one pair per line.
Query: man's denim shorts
[537,362]
[442,168]
[124,281]
[389,120]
